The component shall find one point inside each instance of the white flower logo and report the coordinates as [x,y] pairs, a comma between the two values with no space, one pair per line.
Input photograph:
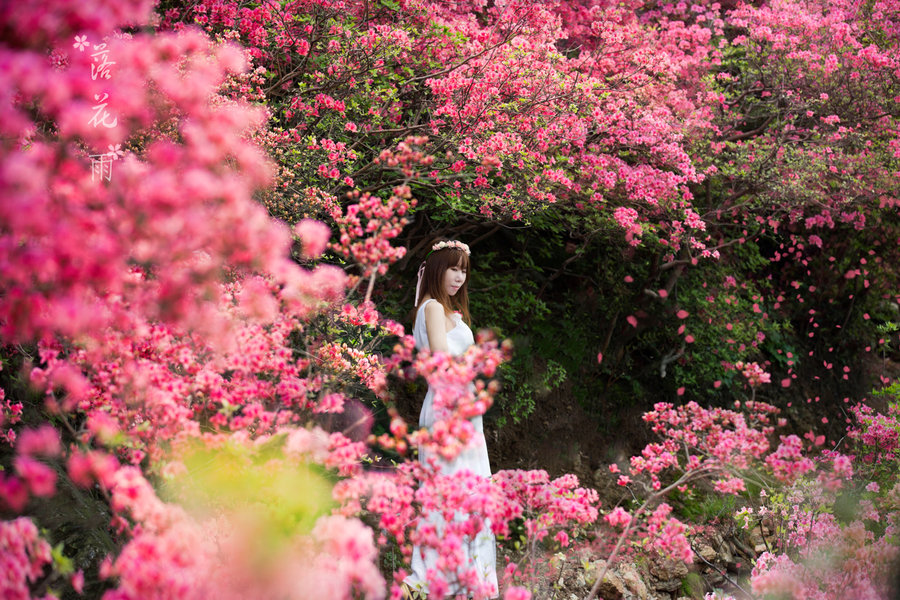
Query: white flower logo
[80,42]
[115,152]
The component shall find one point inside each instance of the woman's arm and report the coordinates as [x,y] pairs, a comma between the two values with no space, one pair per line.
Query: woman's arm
[436,327]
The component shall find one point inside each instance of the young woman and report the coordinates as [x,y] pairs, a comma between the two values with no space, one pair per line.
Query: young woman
[441,325]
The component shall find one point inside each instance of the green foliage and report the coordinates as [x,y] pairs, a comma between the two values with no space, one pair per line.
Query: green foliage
[697,506]
[514,542]
[524,385]
[886,340]
[731,319]
[693,586]
[891,393]
[75,521]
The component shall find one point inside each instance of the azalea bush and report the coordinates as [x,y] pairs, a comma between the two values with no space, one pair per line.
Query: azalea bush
[834,533]
[180,382]
[211,211]
[829,526]
[621,164]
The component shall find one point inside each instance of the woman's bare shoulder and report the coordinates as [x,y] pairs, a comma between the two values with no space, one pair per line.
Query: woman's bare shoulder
[433,308]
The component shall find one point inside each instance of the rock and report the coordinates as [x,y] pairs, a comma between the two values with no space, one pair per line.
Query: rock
[756,540]
[726,553]
[633,581]
[622,582]
[706,552]
[668,572]
[579,581]
[612,587]
[667,568]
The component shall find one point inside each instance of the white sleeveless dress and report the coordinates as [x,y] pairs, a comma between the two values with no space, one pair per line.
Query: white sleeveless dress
[482,551]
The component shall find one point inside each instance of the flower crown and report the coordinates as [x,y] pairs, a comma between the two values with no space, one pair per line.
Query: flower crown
[451,244]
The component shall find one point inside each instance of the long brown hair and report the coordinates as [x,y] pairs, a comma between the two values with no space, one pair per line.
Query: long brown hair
[436,264]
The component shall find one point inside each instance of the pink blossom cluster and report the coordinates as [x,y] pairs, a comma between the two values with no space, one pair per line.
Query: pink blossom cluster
[23,555]
[754,374]
[704,441]
[466,504]
[574,153]
[823,559]
[814,553]
[101,240]
[142,342]
[627,220]
[667,535]
[340,358]
[172,554]
[456,398]
[366,227]
[313,235]
[789,460]
[877,433]
[548,505]
[558,140]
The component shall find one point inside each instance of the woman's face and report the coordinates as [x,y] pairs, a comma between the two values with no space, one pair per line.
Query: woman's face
[454,277]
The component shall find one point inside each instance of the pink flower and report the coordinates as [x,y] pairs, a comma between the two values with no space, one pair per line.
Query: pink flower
[517,593]
[84,468]
[618,517]
[42,441]
[102,425]
[330,403]
[77,581]
[731,485]
[40,479]
[257,301]
[13,492]
[843,467]
[627,219]
[23,556]
[314,235]
[754,373]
